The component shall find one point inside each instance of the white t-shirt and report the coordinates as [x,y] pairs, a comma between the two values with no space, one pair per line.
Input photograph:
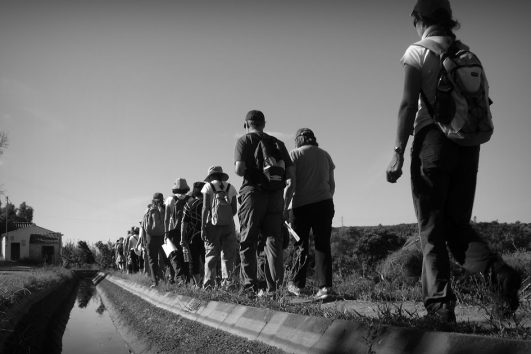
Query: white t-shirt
[429,65]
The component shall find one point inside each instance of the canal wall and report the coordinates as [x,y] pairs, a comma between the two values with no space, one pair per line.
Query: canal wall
[37,322]
[295,333]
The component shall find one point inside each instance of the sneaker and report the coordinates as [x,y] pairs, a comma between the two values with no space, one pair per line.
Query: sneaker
[293,289]
[506,282]
[442,312]
[323,293]
[264,294]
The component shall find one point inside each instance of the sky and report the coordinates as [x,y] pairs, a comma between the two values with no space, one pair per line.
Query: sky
[107,101]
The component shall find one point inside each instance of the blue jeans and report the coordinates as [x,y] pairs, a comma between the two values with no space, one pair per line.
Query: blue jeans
[443,182]
[318,218]
[260,214]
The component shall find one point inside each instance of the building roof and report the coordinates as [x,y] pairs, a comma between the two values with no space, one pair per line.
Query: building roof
[27,230]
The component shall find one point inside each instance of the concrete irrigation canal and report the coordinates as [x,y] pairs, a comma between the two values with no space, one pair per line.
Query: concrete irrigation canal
[101,313]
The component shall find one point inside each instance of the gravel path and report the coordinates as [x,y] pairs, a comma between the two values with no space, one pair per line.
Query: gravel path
[165,332]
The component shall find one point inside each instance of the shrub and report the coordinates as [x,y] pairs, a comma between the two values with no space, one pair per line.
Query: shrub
[403,266]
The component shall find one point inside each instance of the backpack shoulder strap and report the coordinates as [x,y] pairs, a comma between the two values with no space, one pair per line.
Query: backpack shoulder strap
[431,45]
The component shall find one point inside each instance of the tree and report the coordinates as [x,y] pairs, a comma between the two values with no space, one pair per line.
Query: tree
[85,254]
[105,255]
[24,213]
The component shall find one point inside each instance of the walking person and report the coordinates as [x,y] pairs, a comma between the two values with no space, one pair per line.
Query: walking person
[154,227]
[191,241]
[443,175]
[218,230]
[312,209]
[261,202]
[173,213]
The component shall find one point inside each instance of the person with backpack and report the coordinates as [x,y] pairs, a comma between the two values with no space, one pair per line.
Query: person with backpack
[191,241]
[445,106]
[153,224]
[264,163]
[312,209]
[174,206]
[217,227]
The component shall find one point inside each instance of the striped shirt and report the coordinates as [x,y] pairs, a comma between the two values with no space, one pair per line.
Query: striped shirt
[192,214]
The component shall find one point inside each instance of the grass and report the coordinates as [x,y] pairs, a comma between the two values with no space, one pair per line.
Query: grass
[16,285]
[470,290]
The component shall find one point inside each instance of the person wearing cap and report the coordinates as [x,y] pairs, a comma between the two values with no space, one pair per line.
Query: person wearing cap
[219,235]
[312,209]
[191,241]
[443,176]
[261,211]
[174,206]
[132,257]
[153,224]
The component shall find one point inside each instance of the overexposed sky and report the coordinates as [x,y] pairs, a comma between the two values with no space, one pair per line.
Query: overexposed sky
[107,101]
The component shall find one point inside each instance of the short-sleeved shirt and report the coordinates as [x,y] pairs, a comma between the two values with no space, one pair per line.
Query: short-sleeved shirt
[313,167]
[244,151]
[429,65]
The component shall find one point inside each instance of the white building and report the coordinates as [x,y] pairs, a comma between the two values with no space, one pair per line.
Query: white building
[32,242]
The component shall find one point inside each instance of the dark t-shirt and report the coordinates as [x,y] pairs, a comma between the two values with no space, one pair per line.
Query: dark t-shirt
[244,151]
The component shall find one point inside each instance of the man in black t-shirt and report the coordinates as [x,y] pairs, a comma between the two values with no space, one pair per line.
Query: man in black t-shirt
[261,211]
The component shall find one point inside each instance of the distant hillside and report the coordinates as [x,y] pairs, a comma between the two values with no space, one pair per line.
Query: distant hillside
[502,237]
[354,246]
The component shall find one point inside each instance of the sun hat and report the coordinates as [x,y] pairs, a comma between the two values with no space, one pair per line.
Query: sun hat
[180,186]
[214,170]
[255,116]
[158,196]
[428,7]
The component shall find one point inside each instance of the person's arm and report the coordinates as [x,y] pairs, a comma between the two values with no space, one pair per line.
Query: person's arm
[331,181]
[204,214]
[234,202]
[290,188]
[167,217]
[239,168]
[406,118]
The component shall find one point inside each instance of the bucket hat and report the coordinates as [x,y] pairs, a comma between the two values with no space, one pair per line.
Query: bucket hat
[180,186]
[213,170]
[158,196]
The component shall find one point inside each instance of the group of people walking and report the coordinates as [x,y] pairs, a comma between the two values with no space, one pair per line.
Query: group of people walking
[192,234]
[298,186]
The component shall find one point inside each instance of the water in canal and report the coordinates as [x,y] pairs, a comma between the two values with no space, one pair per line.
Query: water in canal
[90,329]
[72,321]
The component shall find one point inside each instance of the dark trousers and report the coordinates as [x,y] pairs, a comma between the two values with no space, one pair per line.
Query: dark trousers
[176,258]
[260,213]
[197,255]
[156,257]
[316,217]
[443,180]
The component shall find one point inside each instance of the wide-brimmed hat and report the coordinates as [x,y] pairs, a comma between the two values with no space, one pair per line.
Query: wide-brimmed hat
[180,185]
[426,8]
[158,196]
[216,170]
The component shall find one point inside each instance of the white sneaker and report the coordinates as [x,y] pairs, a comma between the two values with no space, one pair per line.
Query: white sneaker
[323,293]
[264,294]
[294,290]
